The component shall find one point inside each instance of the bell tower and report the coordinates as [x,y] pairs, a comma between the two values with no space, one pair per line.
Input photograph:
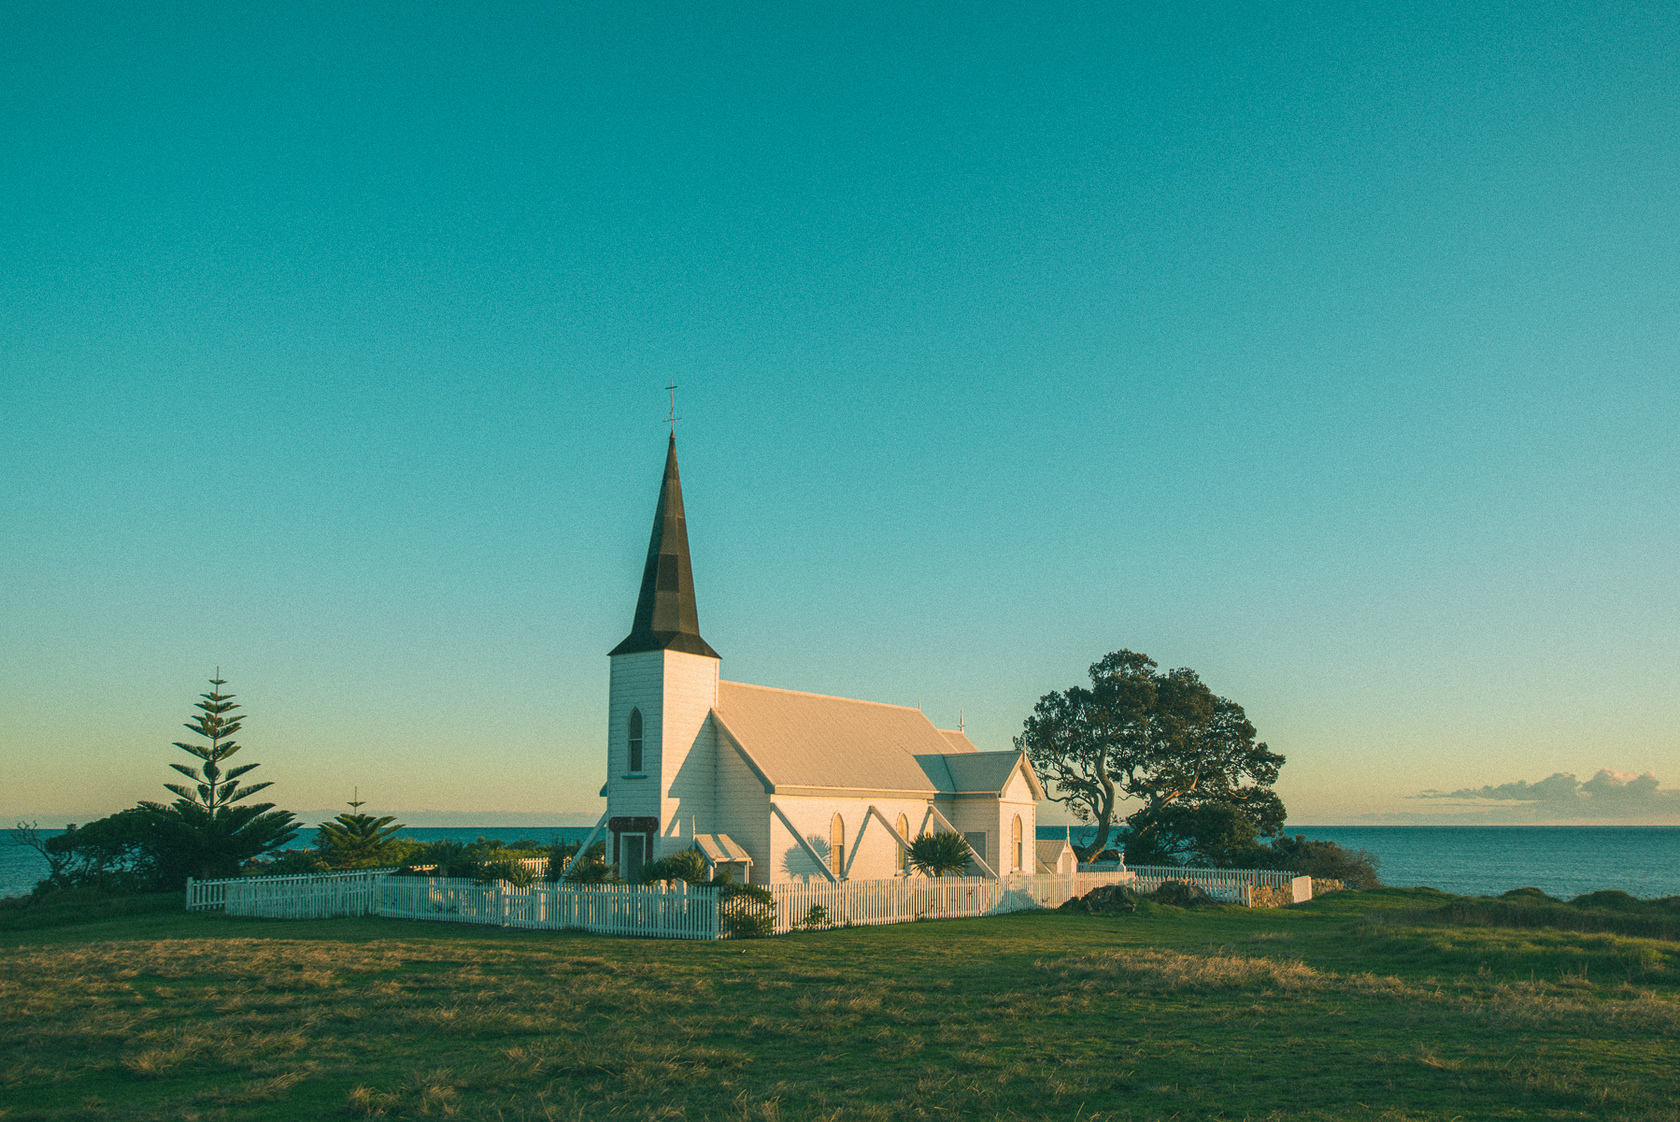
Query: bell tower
[661,745]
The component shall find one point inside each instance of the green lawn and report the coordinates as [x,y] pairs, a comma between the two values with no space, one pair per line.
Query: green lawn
[1354,1006]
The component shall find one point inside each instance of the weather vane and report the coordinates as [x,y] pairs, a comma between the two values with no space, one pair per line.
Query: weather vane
[671,418]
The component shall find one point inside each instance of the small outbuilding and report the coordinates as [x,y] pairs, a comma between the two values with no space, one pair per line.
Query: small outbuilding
[1057,857]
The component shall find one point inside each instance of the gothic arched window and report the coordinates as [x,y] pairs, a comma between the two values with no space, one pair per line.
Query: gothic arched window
[1015,836]
[903,854]
[635,740]
[837,845]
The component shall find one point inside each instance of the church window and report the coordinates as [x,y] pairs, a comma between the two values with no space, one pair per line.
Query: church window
[903,854]
[1015,836]
[635,740]
[837,845]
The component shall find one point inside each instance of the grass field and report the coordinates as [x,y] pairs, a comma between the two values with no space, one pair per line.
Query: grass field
[1353,1006]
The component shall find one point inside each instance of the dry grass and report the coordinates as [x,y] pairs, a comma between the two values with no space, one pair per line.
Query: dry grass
[1144,1019]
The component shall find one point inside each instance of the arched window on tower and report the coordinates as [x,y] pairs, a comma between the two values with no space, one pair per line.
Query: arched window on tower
[903,854]
[837,845]
[635,741]
[1015,836]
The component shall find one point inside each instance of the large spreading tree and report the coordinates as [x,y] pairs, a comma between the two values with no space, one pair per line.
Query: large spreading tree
[210,830]
[1161,739]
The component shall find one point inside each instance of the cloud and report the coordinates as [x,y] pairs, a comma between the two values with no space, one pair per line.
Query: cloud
[1608,795]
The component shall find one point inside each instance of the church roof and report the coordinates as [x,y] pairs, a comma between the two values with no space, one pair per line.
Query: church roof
[983,773]
[958,740]
[666,615]
[808,740]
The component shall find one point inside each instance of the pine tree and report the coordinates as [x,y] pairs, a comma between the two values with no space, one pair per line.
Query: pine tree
[203,833]
[358,840]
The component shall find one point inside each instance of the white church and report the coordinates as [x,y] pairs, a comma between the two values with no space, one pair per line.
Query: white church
[778,785]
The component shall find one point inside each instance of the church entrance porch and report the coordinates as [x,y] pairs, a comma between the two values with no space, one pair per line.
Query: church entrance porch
[632,845]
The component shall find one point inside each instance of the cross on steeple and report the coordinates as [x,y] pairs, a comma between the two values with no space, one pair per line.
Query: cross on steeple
[671,418]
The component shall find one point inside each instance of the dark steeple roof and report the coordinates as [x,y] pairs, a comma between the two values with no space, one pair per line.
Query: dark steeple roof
[666,618]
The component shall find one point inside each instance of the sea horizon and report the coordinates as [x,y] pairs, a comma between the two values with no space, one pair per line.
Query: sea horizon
[1464,859]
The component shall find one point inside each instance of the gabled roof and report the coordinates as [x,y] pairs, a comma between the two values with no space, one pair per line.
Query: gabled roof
[976,773]
[721,849]
[666,615]
[797,739]
[958,741]
[809,740]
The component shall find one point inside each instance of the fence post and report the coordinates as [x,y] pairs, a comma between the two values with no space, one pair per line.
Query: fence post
[189,894]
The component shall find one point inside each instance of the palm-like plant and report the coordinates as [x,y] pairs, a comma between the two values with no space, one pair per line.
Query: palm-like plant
[942,854]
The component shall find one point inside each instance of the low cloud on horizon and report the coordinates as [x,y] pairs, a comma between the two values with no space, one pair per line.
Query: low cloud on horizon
[1609,796]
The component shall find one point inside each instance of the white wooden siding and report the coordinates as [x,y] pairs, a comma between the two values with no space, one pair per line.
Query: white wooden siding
[871,851]
[637,683]
[743,808]
[687,750]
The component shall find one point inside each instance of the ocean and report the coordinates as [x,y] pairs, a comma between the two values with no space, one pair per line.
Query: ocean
[1562,861]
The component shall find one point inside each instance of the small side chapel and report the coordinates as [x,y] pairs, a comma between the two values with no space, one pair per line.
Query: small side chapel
[780,785]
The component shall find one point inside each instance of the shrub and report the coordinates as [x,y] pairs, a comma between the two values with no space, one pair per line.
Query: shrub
[288,862]
[747,911]
[562,854]
[1321,860]
[941,854]
[688,866]
[484,860]
[509,869]
[1105,900]
[1181,894]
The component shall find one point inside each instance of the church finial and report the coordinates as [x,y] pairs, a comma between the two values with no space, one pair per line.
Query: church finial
[666,615]
[671,418]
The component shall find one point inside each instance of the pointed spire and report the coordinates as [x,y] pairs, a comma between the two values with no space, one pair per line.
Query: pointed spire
[666,616]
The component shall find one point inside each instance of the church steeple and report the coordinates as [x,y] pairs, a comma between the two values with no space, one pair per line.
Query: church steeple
[666,617]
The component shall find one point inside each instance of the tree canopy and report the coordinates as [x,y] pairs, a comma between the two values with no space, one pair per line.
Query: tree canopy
[1162,739]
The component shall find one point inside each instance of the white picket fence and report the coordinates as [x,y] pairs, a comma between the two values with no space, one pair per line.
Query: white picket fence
[1230,885]
[680,912]
[690,911]
[904,899]
[305,896]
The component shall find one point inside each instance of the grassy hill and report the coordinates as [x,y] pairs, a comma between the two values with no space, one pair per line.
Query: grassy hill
[1381,1005]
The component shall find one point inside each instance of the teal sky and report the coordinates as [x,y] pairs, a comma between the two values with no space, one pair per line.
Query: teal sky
[1328,349]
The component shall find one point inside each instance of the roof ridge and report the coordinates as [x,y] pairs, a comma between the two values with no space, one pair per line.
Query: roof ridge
[824,696]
